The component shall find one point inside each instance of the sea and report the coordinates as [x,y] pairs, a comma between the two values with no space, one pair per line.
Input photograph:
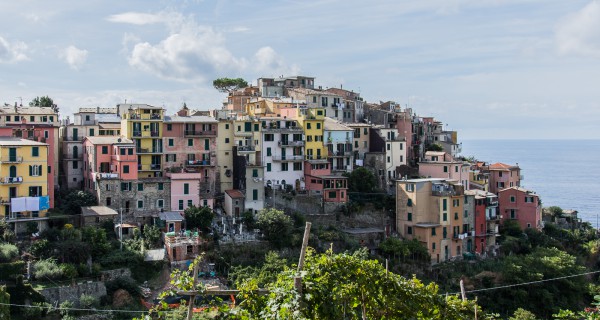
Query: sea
[563,173]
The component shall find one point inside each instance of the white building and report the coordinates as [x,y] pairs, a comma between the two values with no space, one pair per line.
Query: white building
[283,153]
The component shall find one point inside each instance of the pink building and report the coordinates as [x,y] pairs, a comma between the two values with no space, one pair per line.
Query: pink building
[441,165]
[108,158]
[185,187]
[318,180]
[503,176]
[190,144]
[522,205]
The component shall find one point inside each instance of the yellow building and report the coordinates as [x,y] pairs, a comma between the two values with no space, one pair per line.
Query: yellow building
[24,182]
[312,121]
[144,124]
[432,211]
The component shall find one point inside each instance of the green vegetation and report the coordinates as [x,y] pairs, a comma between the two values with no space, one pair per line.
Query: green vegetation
[275,226]
[228,85]
[8,252]
[198,218]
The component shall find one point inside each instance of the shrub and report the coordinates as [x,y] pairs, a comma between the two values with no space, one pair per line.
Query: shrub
[88,301]
[40,248]
[69,271]
[8,252]
[47,269]
[11,270]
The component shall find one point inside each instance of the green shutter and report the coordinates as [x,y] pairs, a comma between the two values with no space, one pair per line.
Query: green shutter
[206,146]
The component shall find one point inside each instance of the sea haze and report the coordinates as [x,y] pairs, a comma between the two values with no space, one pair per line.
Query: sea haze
[562,172]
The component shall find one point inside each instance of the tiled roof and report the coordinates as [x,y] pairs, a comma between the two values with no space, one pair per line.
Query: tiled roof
[502,166]
[234,193]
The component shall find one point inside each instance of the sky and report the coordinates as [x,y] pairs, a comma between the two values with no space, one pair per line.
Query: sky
[490,69]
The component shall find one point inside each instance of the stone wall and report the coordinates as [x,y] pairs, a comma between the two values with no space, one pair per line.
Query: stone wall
[109,275]
[73,293]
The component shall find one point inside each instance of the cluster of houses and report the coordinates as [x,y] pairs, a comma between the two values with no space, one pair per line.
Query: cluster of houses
[284,133]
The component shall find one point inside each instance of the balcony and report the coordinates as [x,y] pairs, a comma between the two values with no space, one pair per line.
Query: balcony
[11,180]
[124,157]
[198,163]
[338,154]
[148,151]
[243,133]
[143,116]
[288,158]
[291,143]
[192,133]
[70,139]
[104,175]
[13,159]
[149,167]
[137,133]
[246,148]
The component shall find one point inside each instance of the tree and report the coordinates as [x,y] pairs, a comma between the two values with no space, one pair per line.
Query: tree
[4,301]
[362,180]
[44,102]
[198,217]
[228,85]
[152,236]
[275,226]
[522,314]
[434,147]
[8,252]
[74,200]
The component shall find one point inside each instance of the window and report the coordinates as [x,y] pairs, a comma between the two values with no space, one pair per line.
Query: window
[388,146]
[254,194]
[513,199]
[227,126]
[190,203]
[186,188]
[35,191]
[130,151]
[126,168]
[122,151]
[456,169]
[140,204]
[409,216]
[160,203]
[268,167]
[49,169]
[297,166]
[7,118]
[455,202]
[444,233]
[205,203]
[466,213]
[104,149]
[513,214]
[32,118]
[171,157]
[410,187]
[433,246]
[409,230]
[456,216]
[180,204]
[75,165]
[308,125]
[433,232]
[409,203]
[171,142]
[140,187]
[256,127]
[35,151]
[445,168]
[169,127]
[269,152]
[226,140]
[444,216]
[318,125]
[87,118]
[190,142]
[528,199]
[332,195]
[91,132]
[161,186]
[34,171]
[389,159]
[324,101]
[284,167]
[444,204]
[125,186]
[501,185]
[254,173]
[108,201]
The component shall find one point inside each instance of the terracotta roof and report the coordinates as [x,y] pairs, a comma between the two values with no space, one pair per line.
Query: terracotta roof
[502,166]
[234,193]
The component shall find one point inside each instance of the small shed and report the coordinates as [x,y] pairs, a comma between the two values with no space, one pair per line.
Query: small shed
[234,202]
[171,221]
[95,215]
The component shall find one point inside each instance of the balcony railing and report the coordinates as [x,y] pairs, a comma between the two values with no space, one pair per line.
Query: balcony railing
[137,133]
[340,154]
[11,180]
[149,167]
[246,149]
[103,175]
[288,158]
[146,150]
[291,143]
[76,138]
[443,193]
[198,163]
[200,133]
[10,159]
[144,116]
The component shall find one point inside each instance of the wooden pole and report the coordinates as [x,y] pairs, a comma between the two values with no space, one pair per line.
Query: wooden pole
[194,292]
[298,278]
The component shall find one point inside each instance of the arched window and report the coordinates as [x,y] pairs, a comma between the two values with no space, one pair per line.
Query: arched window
[13,171]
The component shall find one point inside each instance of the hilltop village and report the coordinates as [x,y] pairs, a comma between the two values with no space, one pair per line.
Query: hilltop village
[95,189]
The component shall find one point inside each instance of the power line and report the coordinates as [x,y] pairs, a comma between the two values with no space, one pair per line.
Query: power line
[531,282]
[71,309]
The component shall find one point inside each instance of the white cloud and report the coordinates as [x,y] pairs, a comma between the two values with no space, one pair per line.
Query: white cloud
[74,57]
[193,53]
[137,18]
[12,52]
[267,61]
[579,33]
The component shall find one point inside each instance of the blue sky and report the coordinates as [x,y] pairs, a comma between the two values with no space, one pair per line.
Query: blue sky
[488,68]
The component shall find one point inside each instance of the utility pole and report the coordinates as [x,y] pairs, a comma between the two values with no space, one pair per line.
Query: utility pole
[121,228]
